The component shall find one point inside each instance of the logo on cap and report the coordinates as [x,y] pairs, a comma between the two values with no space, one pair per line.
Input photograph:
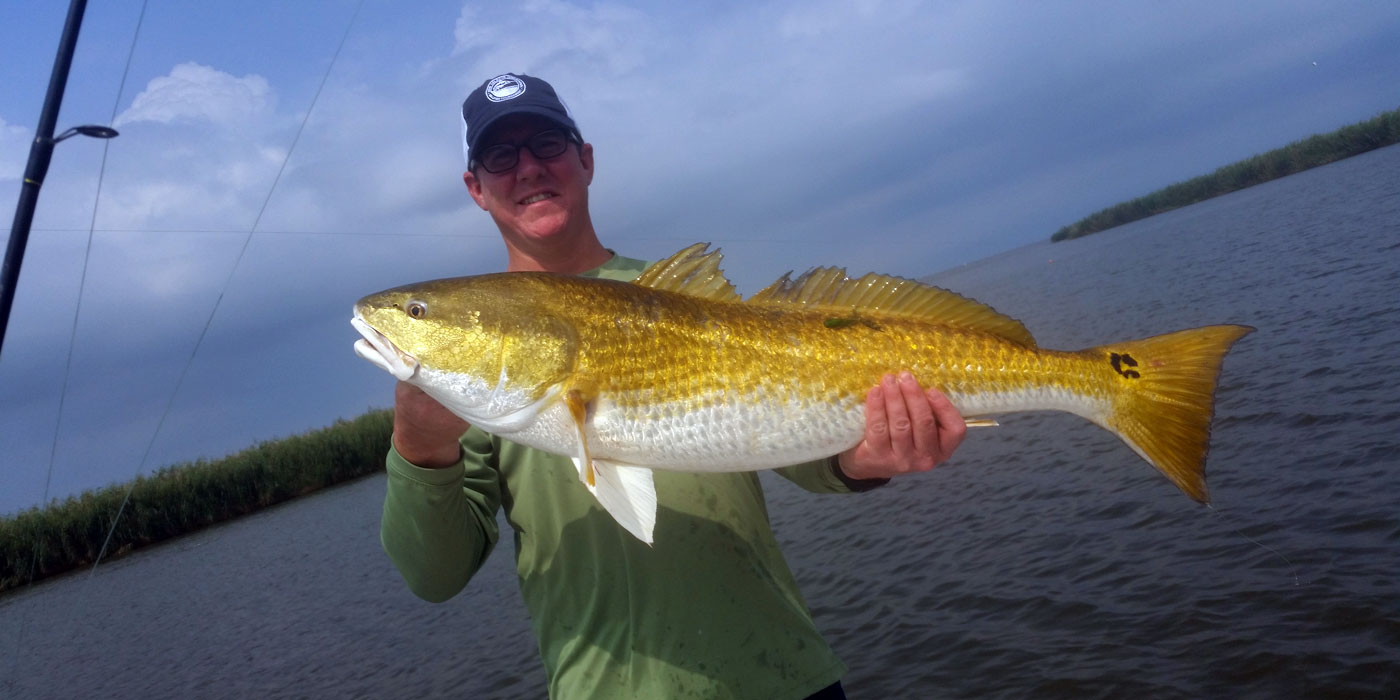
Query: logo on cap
[504,87]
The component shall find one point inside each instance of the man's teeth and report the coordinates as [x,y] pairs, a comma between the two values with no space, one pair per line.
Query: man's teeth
[537,198]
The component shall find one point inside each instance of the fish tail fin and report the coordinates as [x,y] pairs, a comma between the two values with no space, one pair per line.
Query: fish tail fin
[1164,398]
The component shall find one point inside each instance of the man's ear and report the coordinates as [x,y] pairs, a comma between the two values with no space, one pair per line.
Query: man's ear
[585,157]
[474,188]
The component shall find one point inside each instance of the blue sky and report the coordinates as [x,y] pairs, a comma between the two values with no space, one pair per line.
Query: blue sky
[903,137]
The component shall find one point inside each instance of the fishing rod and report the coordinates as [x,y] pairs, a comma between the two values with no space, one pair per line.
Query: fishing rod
[40,153]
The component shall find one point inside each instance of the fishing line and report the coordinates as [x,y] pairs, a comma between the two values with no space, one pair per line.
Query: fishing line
[73,331]
[179,382]
[1292,569]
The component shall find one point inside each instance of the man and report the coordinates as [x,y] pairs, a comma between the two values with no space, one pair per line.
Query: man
[712,610]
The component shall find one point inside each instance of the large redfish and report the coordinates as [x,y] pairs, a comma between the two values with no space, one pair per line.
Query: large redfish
[675,371]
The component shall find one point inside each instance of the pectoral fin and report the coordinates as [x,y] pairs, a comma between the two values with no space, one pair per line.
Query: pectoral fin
[626,492]
[578,408]
[976,422]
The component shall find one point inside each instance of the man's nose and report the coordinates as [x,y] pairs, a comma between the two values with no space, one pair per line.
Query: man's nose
[528,165]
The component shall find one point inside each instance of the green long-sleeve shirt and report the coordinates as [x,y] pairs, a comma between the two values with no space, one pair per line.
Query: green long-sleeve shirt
[710,611]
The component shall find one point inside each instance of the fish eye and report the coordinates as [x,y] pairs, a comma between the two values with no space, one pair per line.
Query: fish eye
[416,309]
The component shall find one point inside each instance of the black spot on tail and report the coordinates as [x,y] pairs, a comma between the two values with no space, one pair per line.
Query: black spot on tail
[1118,361]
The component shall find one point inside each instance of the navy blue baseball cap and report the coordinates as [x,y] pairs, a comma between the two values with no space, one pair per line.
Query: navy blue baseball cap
[507,94]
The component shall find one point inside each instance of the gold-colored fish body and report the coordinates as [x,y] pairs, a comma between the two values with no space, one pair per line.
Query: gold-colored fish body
[675,371]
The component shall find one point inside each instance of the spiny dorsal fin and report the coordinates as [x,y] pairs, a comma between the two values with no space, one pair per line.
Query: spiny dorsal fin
[829,289]
[693,272]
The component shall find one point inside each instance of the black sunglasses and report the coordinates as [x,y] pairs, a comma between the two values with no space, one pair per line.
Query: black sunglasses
[543,146]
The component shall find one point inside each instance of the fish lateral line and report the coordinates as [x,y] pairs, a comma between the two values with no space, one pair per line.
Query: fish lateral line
[836,322]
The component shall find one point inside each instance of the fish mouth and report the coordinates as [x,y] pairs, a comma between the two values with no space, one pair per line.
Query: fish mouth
[381,352]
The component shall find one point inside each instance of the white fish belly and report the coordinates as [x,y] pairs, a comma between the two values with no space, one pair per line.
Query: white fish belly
[722,434]
[1047,398]
[702,435]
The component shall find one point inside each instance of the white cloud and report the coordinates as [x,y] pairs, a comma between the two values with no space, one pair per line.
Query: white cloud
[15,141]
[199,150]
[540,33]
[194,92]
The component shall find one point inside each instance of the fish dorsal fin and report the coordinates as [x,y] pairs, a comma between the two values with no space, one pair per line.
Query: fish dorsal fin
[829,289]
[693,272]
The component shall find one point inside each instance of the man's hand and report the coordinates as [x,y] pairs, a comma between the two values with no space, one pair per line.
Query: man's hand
[907,430]
[425,433]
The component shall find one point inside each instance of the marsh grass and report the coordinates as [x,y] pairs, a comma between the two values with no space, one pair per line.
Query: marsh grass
[1320,149]
[182,498]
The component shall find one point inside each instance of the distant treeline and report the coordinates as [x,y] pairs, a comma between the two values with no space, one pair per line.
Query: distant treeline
[186,497]
[1311,152]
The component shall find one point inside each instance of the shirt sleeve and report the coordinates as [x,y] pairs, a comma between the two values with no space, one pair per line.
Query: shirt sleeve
[822,476]
[439,525]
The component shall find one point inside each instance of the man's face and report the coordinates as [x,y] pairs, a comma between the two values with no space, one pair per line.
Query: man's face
[537,201]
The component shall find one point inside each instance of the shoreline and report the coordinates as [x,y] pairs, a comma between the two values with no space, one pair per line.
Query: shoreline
[1314,151]
[181,499]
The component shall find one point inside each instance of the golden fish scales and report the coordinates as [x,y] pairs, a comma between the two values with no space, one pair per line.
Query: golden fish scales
[675,371]
[690,348]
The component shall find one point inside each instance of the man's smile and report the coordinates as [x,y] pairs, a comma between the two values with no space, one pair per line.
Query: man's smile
[539,197]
